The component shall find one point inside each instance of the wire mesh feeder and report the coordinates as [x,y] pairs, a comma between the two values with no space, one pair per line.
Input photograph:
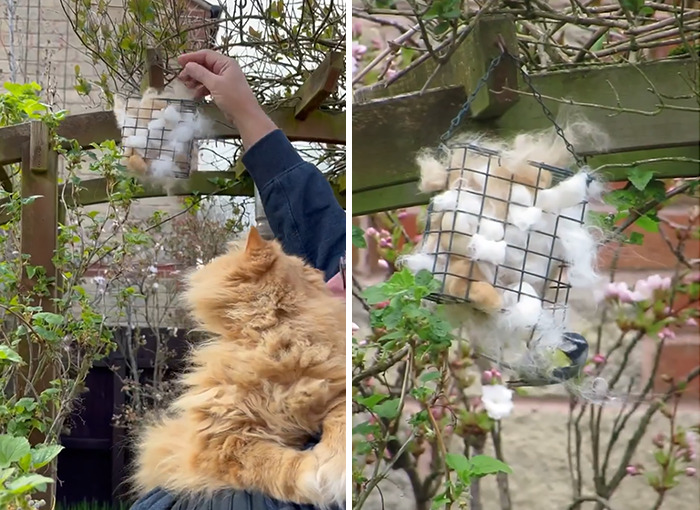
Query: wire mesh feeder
[503,235]
[158,135]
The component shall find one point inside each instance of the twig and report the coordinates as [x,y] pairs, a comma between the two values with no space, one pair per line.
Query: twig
[381,366]
[577,502]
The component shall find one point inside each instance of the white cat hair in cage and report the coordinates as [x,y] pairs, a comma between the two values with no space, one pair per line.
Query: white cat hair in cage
[506,235]
[158,132]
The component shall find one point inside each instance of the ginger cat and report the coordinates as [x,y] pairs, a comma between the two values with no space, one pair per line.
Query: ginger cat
[271,377]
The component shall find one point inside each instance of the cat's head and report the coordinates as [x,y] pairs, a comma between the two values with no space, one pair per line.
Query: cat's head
[254,286]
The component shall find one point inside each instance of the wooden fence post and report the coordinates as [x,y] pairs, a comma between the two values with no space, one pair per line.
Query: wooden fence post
[39,238]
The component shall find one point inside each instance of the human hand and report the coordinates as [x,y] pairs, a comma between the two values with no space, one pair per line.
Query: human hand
[207,72]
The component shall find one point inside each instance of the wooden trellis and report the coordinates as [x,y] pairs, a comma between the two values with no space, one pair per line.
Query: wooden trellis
[29,145]
[649,110]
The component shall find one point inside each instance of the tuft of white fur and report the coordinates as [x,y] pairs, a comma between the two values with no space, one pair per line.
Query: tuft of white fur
[483,249]
[524,310]
[183,133]
[202,125]
[417,262]
[579,250]
[524,218]
[446,201]
[156,124]
[163,167]
[135,142]
[567,193]
[170,115]
[433,174]
[328,482]
[491,229]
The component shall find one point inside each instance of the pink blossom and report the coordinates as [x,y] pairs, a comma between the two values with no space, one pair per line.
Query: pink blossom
[356,28]
[383,263]
[620,291]
[486,377]
[599,359]
[659,440]
[632,470]
[417,239]
[383,304]
[384,233]
[666,334]
[358,50]
[362,342]
[402,215]
[385,243]
[645,290]
[589,370]
[390,73]
[691,322]
[690,471]
[355,327]
[371,232]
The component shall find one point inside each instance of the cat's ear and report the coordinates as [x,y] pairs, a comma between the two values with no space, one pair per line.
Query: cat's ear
[255,241]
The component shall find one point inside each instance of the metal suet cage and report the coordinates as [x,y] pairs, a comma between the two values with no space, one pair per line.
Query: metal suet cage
[158,136]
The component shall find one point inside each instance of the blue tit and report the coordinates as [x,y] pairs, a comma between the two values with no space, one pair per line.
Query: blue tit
[551,364]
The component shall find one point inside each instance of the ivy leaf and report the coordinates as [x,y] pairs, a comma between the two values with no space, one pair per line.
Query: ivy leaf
[483,465]
[640,178]
[375,294]
[430,376]
[50,318]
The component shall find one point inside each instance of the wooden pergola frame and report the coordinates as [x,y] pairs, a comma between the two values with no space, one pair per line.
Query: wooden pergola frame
[647,110]
[29,144]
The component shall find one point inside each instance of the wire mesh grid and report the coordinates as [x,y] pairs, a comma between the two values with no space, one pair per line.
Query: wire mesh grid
[158,136]
[486,204]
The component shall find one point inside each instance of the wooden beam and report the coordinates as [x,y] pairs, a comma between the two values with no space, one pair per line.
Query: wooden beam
[678,162]
[387,133]
[39,239]
[319,85]
[155,76]
[467,65]
[89,128]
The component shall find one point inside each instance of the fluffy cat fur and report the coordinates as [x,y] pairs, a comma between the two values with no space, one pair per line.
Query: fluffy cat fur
[271,377]
[451,232]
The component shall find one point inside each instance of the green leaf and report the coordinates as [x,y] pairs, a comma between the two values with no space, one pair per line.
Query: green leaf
[25,463]
[371,401]
[358,237]
[41,456]
[387,409]
[640,178]
[647,223]
[458,462]
[50,318]
[646,11]
[6,353]
[375,294]
[12,449]
[28,483]
[484,465]
[636,238]
[430,376]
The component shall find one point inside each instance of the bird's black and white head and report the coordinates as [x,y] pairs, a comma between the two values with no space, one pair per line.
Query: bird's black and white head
[575,346]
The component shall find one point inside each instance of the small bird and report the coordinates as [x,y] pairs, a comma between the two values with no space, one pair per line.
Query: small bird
[547,365]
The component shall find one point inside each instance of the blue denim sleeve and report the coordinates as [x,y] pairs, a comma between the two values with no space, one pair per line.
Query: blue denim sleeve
[299,203]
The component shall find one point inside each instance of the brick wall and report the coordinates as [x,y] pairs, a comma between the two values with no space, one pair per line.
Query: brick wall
[46,50]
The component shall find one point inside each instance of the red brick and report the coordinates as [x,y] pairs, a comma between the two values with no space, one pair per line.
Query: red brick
[678,358]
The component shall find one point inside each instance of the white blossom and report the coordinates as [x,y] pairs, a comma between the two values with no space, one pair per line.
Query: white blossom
[497,400]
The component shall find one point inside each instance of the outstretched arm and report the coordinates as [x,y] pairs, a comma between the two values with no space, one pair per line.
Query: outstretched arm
[299,203]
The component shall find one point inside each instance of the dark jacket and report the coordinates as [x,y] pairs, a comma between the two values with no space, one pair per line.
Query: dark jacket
[307,219]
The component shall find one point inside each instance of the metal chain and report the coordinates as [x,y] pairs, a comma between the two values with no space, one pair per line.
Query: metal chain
[535,93]
[547,112]
[465,107]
